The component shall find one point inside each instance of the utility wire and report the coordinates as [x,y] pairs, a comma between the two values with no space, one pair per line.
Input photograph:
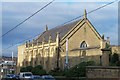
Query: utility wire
[21,42]
[89,12]
[27,19]
[68,21]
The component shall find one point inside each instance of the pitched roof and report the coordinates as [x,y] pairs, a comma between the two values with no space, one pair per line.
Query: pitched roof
[62,30]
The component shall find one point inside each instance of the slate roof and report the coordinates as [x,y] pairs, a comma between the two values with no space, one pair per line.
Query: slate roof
[62,30]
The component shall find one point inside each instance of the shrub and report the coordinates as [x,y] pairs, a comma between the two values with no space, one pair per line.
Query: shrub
[56,72]
[23,69]
[79,70]
[26,69]
[115,58]
[38,70]
[29,68]
[118,63]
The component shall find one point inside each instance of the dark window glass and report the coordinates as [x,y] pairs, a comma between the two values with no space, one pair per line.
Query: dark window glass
[83,45]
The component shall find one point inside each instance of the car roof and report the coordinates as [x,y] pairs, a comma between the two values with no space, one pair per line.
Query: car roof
[10,74]
[25,72]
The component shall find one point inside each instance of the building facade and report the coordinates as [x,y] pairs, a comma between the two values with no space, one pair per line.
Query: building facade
[115,49]
[7,67]
[68,44]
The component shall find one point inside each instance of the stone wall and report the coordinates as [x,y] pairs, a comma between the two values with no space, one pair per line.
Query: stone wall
[100,73]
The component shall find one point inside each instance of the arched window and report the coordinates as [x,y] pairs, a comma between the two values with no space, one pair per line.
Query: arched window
[83,45]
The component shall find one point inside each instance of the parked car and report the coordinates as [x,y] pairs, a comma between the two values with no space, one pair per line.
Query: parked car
[37,77]
[10,76]
[16,77]
[26,75]
[48,77]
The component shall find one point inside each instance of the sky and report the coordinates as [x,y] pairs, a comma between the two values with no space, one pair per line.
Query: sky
[104,20]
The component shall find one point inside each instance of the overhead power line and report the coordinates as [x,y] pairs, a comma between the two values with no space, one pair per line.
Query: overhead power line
[89,12]
[20,42]
[67,22]
[27,18]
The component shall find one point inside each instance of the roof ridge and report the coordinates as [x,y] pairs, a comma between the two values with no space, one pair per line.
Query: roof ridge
[63,25]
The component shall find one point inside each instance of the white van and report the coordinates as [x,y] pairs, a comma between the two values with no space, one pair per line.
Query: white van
[26,75]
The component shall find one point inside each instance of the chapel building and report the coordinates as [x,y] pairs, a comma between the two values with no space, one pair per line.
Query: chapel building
[68,45]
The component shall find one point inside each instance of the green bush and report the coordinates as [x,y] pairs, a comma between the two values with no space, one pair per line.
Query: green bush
[90,63]
[114,61]
[39,67]
[26,69]
[38,70]
[29,68]
[23,69]
[115,58]
[79,70]
[56,72]
[118,63]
